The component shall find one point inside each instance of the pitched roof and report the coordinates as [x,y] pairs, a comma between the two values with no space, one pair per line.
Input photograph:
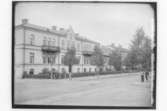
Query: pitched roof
[61,31]
[80,38]
[41,28]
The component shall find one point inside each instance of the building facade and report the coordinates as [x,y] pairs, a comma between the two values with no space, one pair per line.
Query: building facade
[39,47]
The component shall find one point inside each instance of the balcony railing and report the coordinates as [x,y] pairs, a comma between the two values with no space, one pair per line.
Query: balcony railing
[106,54]
[52,49]
[87,53]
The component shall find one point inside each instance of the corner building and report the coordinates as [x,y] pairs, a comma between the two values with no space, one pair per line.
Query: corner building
[39,47]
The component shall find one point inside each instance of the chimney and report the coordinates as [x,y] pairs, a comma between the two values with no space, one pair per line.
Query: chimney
[24,21]
[54,27]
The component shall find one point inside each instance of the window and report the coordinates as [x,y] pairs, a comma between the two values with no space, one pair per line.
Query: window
[32,58]
[63,70]
[44,59]
[54,42]
[62,43]
[44,41]
[79,58]
[89,69]
[78,69]
[32,39]
[49,59]
[84,60]
[84,69]
[49,42]
[62,59]
[31,72]
[53,59]
[87,60]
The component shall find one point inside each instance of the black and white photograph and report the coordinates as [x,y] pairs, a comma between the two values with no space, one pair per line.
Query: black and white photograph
[84,55]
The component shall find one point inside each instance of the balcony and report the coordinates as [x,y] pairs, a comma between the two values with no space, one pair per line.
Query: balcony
[87,53]
[52,49]
[106,54]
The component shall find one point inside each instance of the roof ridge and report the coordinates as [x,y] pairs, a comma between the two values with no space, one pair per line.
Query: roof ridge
[61,31]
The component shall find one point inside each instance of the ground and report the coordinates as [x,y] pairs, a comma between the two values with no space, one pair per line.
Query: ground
[117,90]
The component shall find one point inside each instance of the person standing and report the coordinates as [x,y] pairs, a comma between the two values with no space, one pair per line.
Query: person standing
[146,75]
[70,74]
[142,76]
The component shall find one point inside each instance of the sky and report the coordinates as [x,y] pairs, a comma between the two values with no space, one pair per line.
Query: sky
[105,23]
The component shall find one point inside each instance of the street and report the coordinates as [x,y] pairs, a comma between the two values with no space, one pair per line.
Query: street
[109,90]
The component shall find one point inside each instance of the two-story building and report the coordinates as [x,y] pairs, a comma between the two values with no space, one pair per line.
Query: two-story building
[38,47]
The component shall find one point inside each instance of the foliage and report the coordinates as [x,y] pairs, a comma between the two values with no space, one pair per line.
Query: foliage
[31,71]
[70,58]
[97,58]
[82,74]
[115,59]
[37,76]
[139,55]
[25,73]
[146,57]
[45,71]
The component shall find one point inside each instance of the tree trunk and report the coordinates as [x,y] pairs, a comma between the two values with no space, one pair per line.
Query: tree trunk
[70,72]
[65,75]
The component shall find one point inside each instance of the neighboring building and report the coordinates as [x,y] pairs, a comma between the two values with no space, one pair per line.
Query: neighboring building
[122,51]
[39,47]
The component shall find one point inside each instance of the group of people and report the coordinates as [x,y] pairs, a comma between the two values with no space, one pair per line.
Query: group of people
[145,76]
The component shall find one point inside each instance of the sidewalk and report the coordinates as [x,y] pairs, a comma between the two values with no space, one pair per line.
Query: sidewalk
[105,76]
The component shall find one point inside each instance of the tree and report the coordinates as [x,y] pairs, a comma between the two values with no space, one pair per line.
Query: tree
[115,59]
[97,58]
[146,57]
[70,58]
[139,55]
[129,61]
[136,46]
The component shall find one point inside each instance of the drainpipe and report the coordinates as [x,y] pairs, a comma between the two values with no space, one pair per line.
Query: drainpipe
[24,49]
[59,55]
[82,55]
